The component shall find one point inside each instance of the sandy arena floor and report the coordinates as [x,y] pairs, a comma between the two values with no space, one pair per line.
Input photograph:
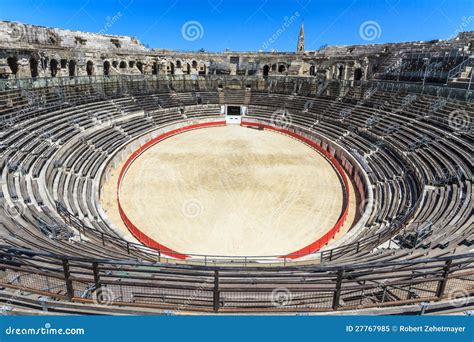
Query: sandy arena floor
[229,191]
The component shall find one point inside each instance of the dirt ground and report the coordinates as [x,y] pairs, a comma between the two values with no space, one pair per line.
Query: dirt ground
[229,191]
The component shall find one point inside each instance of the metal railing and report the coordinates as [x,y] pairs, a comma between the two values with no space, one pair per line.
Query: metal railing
[226,290]
[458,68]
[256,82]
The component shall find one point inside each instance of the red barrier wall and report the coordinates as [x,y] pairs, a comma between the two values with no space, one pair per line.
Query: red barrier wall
[322,241]
[311,248]
[142,237]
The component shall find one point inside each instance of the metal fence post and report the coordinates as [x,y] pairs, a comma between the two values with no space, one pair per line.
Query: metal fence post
[444,281]
[337,292]
[95,270]
[216,298]
[67,279]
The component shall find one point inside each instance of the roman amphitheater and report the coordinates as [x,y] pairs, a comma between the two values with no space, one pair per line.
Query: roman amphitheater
[137,180]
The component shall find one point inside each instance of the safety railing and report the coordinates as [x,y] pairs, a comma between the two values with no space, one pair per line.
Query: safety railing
[287,84]
[227,290]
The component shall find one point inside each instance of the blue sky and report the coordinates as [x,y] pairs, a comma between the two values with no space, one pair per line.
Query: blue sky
[248,25]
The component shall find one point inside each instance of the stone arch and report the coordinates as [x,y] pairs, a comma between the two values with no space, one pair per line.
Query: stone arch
[194,64]
[155,68]
[266,70]
[178,64]
[72,67]
[53,67]
[13,64]
[171,68]
[90,68]
[115,64]
[123,65]
[106,68]
[202,69]
[34,67]
[358,74]
[312,70]
[188,68]
[281,68]
[340,71]
[140,66]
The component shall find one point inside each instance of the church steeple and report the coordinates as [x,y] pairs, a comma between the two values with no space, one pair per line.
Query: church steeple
[300,47]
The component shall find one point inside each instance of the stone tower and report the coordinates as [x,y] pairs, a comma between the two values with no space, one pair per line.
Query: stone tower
[300,47]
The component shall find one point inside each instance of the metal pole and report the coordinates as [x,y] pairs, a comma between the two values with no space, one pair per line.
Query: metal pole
[426,60]
[444,281]
[98,287]
[337,292]
[67,279]
[470,80]
[216,297]
[95,271]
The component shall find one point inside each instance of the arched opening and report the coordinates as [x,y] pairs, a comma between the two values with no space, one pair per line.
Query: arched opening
[274,67]
[202,69]
[266,70]
[140,66]
[131,64]
[281,69]
[72,67]
[312,70]
[178,64]
[123,65]
[106,68]
[194,64]
[154,68]
[358,74]
[33,67]
[90,68]
[13,64]
[171,68]
[188,68]
[115,64]
[53,66]
[340,72]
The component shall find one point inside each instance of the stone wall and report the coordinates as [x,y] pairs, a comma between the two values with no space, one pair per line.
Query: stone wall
[35,51]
